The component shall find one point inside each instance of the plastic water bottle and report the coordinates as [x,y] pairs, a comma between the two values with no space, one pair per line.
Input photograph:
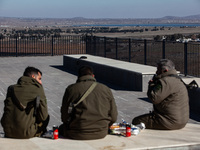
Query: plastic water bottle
[135,129]
[141,126]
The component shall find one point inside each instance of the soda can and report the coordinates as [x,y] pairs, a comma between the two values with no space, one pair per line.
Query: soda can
[55,132]
[128,130]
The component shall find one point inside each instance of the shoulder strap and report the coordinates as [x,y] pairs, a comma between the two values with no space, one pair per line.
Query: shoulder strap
[191,85]
[90,89]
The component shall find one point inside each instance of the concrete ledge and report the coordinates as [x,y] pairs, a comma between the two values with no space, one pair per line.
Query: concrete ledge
[130,76]
[185,138]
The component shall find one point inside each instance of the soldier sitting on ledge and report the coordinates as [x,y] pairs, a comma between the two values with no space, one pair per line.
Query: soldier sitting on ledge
[25,112]
[169,97]
[87,116]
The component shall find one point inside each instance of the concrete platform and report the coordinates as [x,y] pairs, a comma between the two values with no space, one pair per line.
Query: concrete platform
[130,76]
[129,103]
[186,138]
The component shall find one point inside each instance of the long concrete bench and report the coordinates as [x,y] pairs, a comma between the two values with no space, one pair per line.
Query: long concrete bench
[184,139]
[130,76]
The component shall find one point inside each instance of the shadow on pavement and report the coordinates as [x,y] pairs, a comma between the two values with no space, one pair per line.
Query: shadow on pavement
[193,115]
[112,86]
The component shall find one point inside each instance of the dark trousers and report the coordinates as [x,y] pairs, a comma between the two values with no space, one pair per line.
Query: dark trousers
[151,121]
[42,127]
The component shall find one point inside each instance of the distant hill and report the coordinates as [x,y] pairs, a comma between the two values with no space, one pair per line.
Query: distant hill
[192,17]
[197,17]
[62,22]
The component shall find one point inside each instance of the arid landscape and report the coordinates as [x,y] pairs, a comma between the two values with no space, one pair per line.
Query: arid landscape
[131,28]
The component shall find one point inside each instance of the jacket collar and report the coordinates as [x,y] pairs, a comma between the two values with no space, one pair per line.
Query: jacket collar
[168,73]
[30,80]
[86,78]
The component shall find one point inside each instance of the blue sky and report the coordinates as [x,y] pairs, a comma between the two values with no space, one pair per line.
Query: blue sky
[98,8]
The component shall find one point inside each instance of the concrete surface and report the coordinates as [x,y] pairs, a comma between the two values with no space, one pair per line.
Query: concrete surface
[130,104]
[130,76]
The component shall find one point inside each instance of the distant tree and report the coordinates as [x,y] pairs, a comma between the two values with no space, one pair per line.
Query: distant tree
[1,36]
[157,38]
[174,37]
[57,35]
[193,37]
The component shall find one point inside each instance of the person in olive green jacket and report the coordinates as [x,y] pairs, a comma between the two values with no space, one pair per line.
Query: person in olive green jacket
[91,118]
[25,111]
[170,100]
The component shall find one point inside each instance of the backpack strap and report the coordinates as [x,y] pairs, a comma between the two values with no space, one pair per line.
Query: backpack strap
[72,105]
[86,93]
[193,84]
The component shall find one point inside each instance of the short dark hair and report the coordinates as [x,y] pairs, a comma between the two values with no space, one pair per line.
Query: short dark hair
[29,71]
[166,64]
[85,70]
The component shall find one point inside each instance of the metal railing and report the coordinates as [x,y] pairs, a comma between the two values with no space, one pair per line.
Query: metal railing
[34,46]
[186,56]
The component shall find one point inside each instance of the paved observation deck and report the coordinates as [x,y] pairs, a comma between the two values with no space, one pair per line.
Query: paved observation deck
[130,104]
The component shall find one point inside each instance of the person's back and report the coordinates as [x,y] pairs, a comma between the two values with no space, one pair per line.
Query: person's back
[171,103]
[169,97]
[93,116]
[20,118]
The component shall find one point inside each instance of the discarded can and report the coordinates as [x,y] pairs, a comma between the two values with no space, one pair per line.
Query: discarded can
[55,132]
[128,130]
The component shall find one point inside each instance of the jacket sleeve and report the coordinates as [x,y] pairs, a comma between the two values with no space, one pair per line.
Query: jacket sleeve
[64,107]
[7,106]
[158,91]
[113,109]
[42,112]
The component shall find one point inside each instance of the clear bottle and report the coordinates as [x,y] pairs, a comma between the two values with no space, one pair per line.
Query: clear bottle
[135,129]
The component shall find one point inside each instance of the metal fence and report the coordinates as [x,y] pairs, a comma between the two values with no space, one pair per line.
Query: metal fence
[34,46]
[186,56]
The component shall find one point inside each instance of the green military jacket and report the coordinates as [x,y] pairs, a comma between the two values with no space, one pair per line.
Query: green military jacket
[19,119]
[170,100]
[93,116]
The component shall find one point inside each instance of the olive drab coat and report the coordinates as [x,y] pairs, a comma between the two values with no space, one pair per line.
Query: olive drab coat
[93,116]
[170,100]
[19,120]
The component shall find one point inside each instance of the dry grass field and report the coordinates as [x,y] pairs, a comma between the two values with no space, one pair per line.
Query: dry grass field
[150,34]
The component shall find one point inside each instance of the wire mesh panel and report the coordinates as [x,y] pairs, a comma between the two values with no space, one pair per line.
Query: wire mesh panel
[193,59]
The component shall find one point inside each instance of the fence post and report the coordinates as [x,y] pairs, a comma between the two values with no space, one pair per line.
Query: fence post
[0,46]
[95,49]
[16,54]
[163,49]
[145,51]
[129,41]
[116,48]
[185,59]
[104,46]
[52,45]
[86,44]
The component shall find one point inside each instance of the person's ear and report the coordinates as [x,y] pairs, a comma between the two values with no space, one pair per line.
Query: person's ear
[33,76]
[165,70]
